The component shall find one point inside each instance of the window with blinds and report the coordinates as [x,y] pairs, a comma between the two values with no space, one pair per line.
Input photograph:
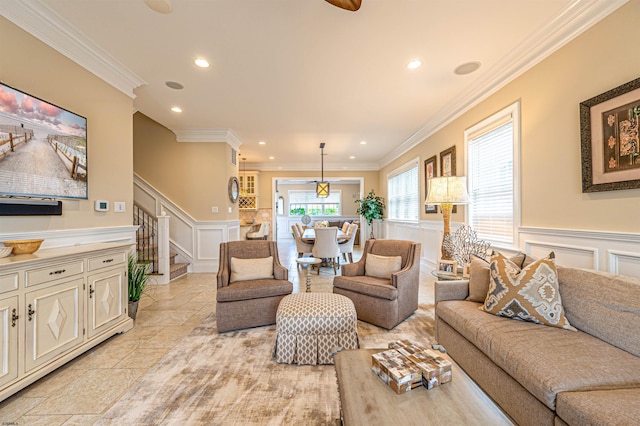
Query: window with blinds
[307,202]
[403,195]
[493,176]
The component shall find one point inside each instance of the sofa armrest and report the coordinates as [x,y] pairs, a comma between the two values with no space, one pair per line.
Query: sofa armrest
[451,290]
[352,269]
[280,272]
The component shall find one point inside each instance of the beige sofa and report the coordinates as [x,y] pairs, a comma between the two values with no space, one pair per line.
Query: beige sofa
[542,375]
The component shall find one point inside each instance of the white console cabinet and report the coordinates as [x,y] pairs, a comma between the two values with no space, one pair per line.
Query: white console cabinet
[56,304]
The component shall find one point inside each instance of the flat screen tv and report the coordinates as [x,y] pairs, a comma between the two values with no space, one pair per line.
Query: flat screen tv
[43,148]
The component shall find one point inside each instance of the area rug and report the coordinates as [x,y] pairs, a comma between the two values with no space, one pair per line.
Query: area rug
[230,379]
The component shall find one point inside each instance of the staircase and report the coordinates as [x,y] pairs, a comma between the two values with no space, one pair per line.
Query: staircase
[149,241]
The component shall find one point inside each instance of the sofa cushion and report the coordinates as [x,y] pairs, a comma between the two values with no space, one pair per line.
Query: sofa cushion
[382,266]
[479,276]
[528,294]
[253,289]
[604,305]
[371,286]
[544,360]
[605,407]
[251,269]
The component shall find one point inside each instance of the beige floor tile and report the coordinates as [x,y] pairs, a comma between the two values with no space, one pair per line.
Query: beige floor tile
[169,337]
[93,393]
[16,406]
[142,358]
[170,318]
[54,382]
[43,420]
[82,420]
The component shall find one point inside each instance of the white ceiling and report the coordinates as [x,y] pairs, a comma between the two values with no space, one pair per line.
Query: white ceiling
[294,73]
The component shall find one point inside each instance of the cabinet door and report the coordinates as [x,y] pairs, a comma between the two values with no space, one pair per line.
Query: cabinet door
[8,339]
[54,321]
[105,303]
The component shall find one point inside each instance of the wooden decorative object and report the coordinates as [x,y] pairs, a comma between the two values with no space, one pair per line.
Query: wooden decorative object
[351,5]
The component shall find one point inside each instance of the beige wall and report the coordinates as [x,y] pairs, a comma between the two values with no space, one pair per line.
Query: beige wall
[31,66]
[349,193]
[598,60]
[193,175]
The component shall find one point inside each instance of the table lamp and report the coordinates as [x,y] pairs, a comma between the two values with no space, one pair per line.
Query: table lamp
[446,191]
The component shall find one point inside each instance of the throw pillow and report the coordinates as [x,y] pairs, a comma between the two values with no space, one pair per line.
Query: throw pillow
[251,269]
[479,276]
[528,294]
[382,266]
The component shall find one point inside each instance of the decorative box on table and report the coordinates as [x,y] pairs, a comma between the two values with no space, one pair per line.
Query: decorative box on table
[408,365]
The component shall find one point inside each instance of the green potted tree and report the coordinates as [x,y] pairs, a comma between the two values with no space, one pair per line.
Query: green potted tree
[138,279]
[371,207]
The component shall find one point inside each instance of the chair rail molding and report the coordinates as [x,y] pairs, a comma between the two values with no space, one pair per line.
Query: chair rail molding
[195,242]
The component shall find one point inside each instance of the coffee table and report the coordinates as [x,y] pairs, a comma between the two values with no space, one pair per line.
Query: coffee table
[366,400]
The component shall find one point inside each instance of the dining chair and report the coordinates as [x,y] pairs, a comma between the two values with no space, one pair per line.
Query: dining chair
[326,246]
[301,247]
[346,248]
[260,234]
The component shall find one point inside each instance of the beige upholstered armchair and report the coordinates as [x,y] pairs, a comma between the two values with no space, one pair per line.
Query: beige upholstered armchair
[383,284]
[251,283]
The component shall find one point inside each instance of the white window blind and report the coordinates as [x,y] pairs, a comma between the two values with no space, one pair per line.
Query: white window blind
[491,182]
[403,194]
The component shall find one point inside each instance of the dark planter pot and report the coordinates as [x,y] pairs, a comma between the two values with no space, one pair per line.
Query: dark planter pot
[133,309]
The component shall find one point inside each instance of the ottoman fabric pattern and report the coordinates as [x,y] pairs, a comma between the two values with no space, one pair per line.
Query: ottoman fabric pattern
[309,326]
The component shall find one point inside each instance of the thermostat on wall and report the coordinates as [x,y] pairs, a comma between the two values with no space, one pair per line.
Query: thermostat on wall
[101,206]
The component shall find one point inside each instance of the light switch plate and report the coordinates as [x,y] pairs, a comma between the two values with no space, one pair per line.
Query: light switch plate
[119,206]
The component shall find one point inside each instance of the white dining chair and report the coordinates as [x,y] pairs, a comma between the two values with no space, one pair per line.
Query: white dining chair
[261,234]
[326,246]
[346,248]
[301,247]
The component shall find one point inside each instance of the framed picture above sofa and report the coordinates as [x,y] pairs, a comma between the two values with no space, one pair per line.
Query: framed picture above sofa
[609,137]
[430,170]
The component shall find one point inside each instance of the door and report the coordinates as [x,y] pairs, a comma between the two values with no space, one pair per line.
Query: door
[8,339]
[105,300]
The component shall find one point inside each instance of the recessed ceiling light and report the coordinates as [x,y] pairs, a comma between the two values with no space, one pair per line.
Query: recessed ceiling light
[202,63]
[160,6]
[363,142]
[262,143]
[352,157]
[176,109]
[416,63]
[466,68]
[174,85]
[271,157]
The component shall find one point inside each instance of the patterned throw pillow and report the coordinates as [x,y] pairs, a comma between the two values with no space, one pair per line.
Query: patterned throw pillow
[528,294]
[251,269]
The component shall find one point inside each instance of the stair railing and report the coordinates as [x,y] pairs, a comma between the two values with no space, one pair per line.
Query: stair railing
[153,242]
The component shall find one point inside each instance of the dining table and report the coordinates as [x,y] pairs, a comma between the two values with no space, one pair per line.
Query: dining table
[309,236]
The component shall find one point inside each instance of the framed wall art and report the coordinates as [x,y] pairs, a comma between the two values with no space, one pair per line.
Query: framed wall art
[448,166]
[430,170]
[609,139]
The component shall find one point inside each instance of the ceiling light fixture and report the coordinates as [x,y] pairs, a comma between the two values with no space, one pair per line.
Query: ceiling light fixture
[160,6]
[202,63]
[176,109]
[466,68]
[262,143]
[271,157]
[363,142]
[416,63]
[352,157]
[322,187]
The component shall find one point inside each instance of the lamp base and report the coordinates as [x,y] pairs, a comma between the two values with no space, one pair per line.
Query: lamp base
[446,217]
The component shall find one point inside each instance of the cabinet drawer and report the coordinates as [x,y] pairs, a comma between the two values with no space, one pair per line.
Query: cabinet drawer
[54,272]
[106,260]
[8,282]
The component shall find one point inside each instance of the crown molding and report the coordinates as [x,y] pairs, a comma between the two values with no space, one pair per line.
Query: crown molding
[579,16]
[209,135]
[40,21]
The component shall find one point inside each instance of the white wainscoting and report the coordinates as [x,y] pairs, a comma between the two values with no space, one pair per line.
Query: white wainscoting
[196,242]
[613,252]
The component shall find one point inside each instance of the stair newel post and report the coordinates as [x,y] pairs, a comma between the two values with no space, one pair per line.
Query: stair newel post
[163,249]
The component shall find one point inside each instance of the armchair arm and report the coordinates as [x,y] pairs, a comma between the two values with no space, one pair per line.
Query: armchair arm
[280,272]
[451,290]
[353,269]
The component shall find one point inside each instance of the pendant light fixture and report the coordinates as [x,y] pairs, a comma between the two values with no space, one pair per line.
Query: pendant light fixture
[243,181]
[322,187]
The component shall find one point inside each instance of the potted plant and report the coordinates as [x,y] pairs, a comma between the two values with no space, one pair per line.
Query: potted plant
[371,207]
[137,279]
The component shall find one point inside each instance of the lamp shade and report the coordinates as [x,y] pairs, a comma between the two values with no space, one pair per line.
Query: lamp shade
[322,189]
[447,190]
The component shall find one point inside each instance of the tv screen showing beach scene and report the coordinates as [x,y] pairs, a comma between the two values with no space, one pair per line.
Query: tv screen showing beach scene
[43,148]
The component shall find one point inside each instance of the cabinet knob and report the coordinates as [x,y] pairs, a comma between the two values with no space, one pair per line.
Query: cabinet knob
[14,317]
[30,312]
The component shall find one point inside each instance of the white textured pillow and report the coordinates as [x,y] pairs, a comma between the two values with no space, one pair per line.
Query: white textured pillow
[382,266]
[251,269]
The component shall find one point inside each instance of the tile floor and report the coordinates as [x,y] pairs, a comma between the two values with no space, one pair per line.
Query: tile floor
[82,390]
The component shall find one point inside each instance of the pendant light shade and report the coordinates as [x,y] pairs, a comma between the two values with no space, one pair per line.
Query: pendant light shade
[322,187]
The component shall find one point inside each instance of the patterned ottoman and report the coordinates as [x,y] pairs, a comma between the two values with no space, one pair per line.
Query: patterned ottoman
[310,326]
